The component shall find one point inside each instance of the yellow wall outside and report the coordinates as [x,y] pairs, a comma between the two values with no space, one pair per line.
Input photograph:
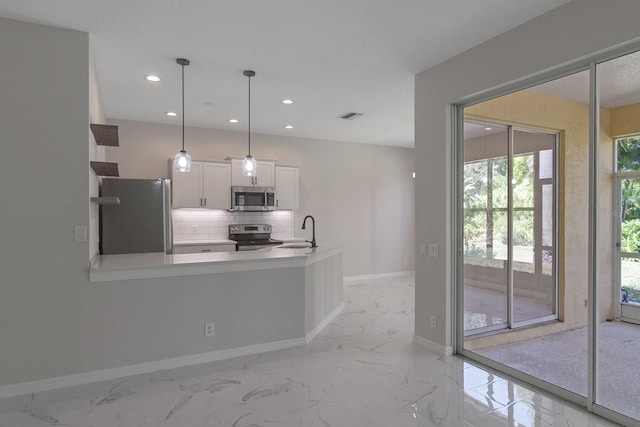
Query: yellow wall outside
[571,120]
[625,121]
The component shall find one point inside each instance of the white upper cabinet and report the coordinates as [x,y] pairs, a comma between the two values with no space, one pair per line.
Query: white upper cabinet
[265,174]
[207,185]
[186,187]
[216,179]
[287,187]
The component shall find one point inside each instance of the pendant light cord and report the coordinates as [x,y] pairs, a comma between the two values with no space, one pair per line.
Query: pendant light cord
[249,121]
[182,107]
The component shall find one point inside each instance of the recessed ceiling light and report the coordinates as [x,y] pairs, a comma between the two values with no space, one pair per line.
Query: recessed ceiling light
[171,114]
[152,78]
[233,120]
[488,128]
[287,101]
[288,126]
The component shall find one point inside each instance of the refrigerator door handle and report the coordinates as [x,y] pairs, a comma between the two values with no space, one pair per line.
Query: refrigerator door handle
[168,220]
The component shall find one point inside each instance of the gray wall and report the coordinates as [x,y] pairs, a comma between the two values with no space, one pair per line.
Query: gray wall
[565,34]
[360,195]
[137,321]
[44,187]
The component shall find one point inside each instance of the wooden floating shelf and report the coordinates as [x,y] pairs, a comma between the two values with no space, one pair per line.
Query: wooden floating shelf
[105,135]
[106,200]
[105,168]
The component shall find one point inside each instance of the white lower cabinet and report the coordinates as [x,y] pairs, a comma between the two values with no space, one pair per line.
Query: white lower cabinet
[287,187]
[196,249]
[207,185]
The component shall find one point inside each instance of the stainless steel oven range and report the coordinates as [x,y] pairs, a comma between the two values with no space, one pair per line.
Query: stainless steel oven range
[251,237]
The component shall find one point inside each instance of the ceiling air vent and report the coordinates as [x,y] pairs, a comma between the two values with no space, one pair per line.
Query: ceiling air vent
[350,116]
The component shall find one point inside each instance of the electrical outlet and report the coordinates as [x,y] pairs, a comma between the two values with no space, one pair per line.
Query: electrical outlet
[423,248]
[208,329]
[433,322]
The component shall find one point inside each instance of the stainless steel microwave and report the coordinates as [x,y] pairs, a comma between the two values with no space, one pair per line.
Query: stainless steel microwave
[253,199]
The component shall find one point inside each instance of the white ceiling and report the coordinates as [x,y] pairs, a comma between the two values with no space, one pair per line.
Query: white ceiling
[330,56]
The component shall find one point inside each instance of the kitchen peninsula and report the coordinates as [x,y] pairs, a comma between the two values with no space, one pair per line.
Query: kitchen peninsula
[261,300]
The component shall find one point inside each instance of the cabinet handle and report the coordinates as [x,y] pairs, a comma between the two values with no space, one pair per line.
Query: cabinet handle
[205,201]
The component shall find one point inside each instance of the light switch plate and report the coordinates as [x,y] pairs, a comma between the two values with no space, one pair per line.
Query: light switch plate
[80,233]
[433,249]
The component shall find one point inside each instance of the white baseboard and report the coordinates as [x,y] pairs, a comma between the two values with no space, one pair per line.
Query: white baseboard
[323,324]
[430,345]
[379,276]
[20,389]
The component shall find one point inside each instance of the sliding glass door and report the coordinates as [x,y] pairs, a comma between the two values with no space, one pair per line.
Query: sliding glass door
[548,234]
[524,195]
[533,222]
[486,235]
[509,227]
[627,247]
[617,315]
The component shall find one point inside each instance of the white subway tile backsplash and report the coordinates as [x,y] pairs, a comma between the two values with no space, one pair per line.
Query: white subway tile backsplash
[209,224]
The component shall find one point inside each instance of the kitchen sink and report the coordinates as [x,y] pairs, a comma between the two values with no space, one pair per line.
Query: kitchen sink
[295,245]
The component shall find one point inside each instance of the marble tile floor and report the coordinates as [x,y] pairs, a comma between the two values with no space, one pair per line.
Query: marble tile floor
[362,370]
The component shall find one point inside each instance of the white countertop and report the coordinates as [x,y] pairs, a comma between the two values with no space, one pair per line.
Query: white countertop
[107,268]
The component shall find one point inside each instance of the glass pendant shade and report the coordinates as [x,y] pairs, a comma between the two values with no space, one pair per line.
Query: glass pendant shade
[183,161]
[249,166]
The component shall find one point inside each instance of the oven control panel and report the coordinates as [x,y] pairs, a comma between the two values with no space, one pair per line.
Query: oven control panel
[249,228]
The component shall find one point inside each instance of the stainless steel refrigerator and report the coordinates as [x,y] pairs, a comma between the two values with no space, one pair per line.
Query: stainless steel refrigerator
[141,222]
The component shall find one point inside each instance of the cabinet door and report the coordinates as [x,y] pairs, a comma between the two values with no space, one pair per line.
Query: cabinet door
[287,187]
[236,174]
[187,187]
[265,174]
[216,185]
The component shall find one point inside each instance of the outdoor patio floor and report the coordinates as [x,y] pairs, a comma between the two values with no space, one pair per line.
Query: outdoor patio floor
[561,359]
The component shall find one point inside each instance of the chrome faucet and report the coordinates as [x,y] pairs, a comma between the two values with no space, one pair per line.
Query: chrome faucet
[313,226]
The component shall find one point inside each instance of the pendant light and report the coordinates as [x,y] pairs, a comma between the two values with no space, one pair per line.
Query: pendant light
[183,159]
[249,165]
